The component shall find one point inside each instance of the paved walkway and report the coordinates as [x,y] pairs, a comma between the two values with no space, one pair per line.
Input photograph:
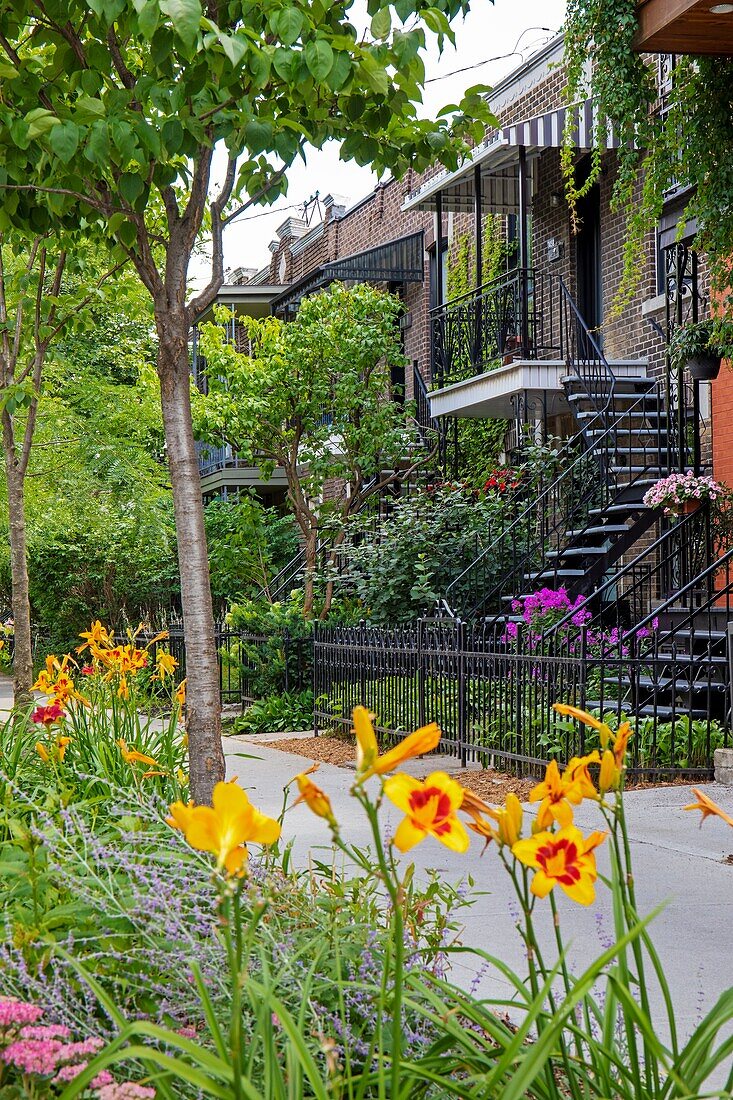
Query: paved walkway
[674,862]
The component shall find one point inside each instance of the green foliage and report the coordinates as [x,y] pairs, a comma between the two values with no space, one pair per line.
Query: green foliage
[314,388]
[115,108]
[712,337]
[281,713]
[430,537]
[248,544]
[685,144]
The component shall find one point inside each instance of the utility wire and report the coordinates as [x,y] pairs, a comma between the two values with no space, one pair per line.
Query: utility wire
[487,61]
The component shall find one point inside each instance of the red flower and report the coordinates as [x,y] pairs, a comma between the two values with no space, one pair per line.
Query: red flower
[87,670]
[48,716]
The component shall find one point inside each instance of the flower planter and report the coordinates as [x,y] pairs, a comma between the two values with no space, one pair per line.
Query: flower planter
[687,507]
[704,368]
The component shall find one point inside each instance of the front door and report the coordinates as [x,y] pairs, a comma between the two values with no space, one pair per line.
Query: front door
[588,257]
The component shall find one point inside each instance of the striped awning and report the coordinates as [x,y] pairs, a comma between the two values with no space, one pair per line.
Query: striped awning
[497,158]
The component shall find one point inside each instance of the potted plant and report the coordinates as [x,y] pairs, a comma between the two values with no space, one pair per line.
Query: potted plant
[680,494]
[701,346]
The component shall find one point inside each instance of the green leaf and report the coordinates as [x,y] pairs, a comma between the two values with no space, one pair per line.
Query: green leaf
[148,18]
[40,121]
[185,15]
[374,75]
[235,48]
[319,59]
[131,187]
[258,135]
[382,23]
[340,71]
[64,140]
[288,25]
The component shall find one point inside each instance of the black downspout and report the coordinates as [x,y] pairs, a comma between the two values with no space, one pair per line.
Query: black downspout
[523,228]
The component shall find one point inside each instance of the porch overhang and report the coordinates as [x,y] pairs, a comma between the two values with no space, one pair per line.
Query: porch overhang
[684,26]
[399,261]
[497,160]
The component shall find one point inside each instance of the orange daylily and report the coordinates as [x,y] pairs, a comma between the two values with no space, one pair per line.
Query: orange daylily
[225,827]
[316,799]
[556,794]
[58,749]
[132,756]
[605,731]
[430,806]
[621,742]
[707,807]
[165,665]
[565,859]
[368,760]
[181,693]
[507,818]
[577,771]
[96,636]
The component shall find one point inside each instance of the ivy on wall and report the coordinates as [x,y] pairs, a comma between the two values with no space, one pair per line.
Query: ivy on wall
[480,441]
[686,140]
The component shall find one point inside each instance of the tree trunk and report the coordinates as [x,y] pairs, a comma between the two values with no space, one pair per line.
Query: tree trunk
[23,645]
[203,699]
[311,555]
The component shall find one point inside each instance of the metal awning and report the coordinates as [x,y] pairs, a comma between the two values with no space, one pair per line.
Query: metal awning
[497,160]
[398,261]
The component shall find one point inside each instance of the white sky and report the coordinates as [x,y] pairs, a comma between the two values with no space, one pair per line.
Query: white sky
[489,31]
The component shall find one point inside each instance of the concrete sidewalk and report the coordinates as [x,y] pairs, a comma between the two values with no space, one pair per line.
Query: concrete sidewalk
[675,862]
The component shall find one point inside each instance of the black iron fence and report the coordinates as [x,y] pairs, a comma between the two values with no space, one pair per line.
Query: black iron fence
[492,687]
[251,666]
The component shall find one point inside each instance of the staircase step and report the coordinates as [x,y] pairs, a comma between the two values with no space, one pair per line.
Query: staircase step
[576,551]
[607,531]
[555,574]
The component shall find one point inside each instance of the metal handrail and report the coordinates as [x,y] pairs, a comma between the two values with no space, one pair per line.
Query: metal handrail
[627,570]
[598,447]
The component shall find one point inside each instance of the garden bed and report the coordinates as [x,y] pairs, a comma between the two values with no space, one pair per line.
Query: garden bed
[487,783]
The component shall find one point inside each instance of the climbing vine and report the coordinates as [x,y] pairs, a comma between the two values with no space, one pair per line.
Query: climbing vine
[480,441]
[686,140]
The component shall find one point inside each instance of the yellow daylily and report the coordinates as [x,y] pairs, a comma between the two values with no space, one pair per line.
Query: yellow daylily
[316,799]
[577,771]
[368,760]
[43,752]
[225,827]
[708,808]
[565,859]
[610,774]
[556,794]
[430,806]
[605,731]
[181,693]
[165,665]
[95,637]
[132,756]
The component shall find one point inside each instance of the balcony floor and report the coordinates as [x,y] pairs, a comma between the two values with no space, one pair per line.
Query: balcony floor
[494,394]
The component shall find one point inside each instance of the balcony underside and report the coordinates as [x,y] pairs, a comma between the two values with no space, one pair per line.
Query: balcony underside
[683,26]
[523,383]
[241,477]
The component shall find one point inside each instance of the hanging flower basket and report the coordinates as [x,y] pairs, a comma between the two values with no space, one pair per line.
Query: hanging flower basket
[681,494]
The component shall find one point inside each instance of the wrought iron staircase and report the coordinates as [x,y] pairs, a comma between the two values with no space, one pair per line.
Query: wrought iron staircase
[656,632]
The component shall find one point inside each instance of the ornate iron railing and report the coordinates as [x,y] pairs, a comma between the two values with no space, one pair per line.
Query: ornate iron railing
[527,314]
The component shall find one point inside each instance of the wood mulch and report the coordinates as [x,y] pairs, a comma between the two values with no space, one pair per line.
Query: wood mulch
[493,786]
[488,784]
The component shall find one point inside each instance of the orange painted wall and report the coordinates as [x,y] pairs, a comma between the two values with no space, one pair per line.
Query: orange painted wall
[722,399]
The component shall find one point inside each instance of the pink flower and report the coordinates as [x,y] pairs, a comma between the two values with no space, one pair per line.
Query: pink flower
[126,1090]
[102,1079]
[34,1055]
[84,1049]
[68,1073]
[18,1012]
[46,1031]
